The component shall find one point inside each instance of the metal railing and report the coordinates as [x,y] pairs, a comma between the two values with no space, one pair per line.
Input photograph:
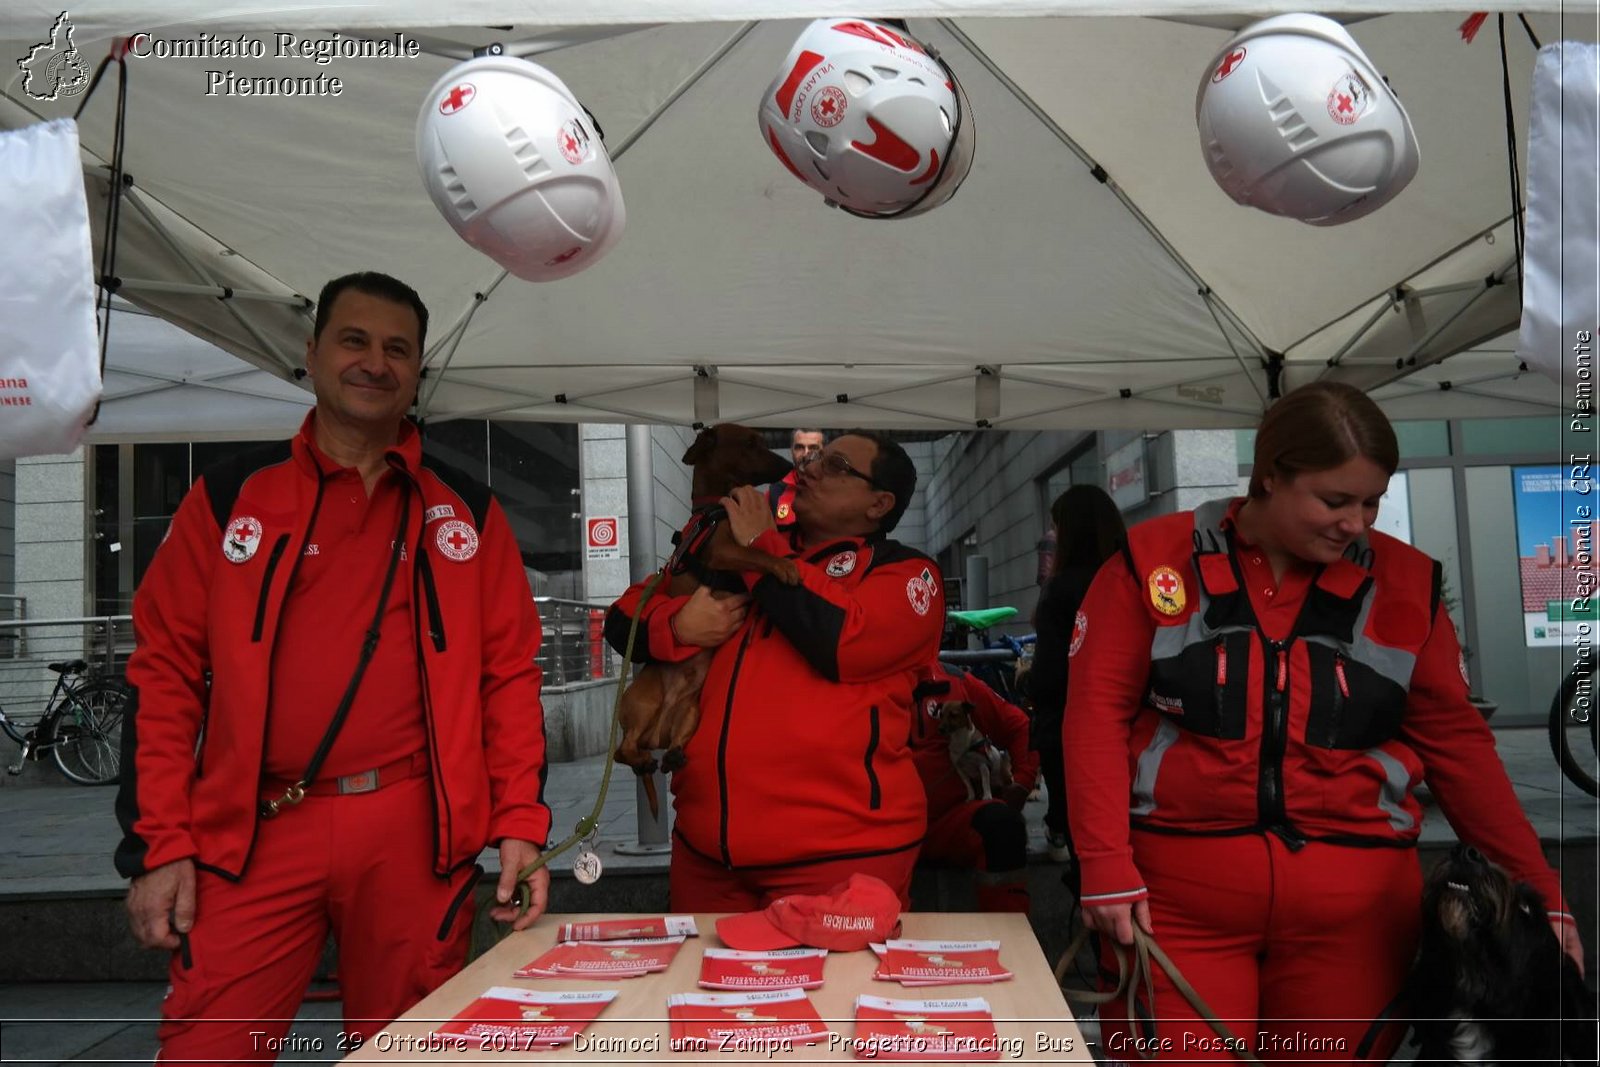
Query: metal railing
[574,647]
[13,608]
[27,645]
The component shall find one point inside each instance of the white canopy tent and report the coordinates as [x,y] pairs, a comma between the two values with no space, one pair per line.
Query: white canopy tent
[1088,274]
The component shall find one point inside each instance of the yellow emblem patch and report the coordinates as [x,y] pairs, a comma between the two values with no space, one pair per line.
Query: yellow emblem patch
[1166,590]
[783,511]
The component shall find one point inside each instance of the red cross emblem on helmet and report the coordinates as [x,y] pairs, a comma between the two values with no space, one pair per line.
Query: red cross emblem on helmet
[1229,64]
[457,98]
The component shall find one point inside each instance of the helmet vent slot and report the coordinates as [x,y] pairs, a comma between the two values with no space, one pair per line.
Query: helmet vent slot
[818,142]
[856,82]
[886,73]
[526,152]
[456,190]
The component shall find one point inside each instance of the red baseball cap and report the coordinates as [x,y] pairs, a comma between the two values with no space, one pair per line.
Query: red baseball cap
[847,917]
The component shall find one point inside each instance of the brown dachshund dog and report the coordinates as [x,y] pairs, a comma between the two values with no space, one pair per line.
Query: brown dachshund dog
[661,706]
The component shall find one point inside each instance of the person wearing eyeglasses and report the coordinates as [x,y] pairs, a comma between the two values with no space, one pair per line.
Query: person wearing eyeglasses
[800,773]
[804,446]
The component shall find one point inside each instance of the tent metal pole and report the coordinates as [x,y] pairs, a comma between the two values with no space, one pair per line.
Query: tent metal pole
[451,341]
[1410,358]
[1206,297]
[134,196]
[1061,135]
[533,46]
[1333,360]
[683,87]
[150,285]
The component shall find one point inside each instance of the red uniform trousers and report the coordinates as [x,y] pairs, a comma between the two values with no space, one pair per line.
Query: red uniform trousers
[360,865]
[1297,952]
[697,884]
[956,839]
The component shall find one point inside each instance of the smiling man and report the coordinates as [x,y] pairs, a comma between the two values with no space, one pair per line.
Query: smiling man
[800,773]
[336,708]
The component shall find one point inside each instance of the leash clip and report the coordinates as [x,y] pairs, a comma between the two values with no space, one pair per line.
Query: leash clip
[291,796]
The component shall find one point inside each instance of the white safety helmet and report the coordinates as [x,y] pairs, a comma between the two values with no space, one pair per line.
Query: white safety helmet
[516,165]
[869,118]
[1295,120]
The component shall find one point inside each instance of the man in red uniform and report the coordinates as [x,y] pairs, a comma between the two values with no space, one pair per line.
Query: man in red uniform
[336,708]
[800,773]
[804,446]
[988,836]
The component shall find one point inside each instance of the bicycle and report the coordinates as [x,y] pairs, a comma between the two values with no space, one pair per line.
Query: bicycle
[1002,657]
[81,727]
[1572,711]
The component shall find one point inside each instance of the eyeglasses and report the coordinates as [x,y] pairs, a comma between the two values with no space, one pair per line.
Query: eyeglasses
[835,463]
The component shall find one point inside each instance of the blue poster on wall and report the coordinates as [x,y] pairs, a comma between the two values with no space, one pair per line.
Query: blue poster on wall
[1556,530]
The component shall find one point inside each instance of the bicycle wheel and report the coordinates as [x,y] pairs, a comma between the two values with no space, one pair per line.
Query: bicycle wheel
[1572,729]
[88,746]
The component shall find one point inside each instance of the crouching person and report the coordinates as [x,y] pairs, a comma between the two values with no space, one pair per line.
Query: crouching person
[960,725]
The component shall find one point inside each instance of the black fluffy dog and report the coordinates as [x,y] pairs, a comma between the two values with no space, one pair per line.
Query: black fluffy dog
[1491,983]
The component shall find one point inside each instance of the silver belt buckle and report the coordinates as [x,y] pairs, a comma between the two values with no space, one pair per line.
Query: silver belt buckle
[360,782]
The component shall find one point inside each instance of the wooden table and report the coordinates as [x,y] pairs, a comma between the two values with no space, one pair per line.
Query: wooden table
[1032,1020]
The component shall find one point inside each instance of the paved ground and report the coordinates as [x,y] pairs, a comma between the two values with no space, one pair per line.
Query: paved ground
[58,841]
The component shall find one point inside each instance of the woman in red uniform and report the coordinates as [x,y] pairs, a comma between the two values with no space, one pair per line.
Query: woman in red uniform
[1257,687]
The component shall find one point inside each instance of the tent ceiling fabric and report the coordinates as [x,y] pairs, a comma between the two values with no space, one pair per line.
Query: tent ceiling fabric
[1040,297]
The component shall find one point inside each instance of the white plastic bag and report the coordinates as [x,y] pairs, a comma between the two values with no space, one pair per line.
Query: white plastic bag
[1560,305]
[49,354]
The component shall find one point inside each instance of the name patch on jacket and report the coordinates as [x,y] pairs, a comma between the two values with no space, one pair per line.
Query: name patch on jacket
[456,540]
[241,539]
[438,511]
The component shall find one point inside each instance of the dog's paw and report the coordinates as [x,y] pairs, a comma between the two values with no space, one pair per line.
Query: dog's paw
[673,760]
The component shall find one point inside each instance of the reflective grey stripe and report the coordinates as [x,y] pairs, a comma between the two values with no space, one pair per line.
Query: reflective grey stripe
[1395,664]
[1392,793]
[1208,523]
[1149,767]
[1169,642]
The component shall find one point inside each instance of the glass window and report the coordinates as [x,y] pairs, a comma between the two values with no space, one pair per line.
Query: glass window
[1506,437]
[1423,439]
[533,469]
[463,444]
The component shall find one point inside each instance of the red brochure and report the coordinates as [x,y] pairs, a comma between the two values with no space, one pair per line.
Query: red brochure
[925,1030]
[521,1020]
[778,1020]
[940,962]
[603,959]
[625,929]
[793,968]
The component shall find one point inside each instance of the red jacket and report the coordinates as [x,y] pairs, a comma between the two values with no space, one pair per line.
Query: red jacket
[190,786]
[780,498]
[802,752]
[1004,724]
[1201,703]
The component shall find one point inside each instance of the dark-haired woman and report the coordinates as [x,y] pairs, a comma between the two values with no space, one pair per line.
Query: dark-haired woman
[1257,689]
[1088,530]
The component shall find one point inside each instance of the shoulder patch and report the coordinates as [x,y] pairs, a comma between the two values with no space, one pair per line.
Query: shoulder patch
[1080,629]
[1167,594]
